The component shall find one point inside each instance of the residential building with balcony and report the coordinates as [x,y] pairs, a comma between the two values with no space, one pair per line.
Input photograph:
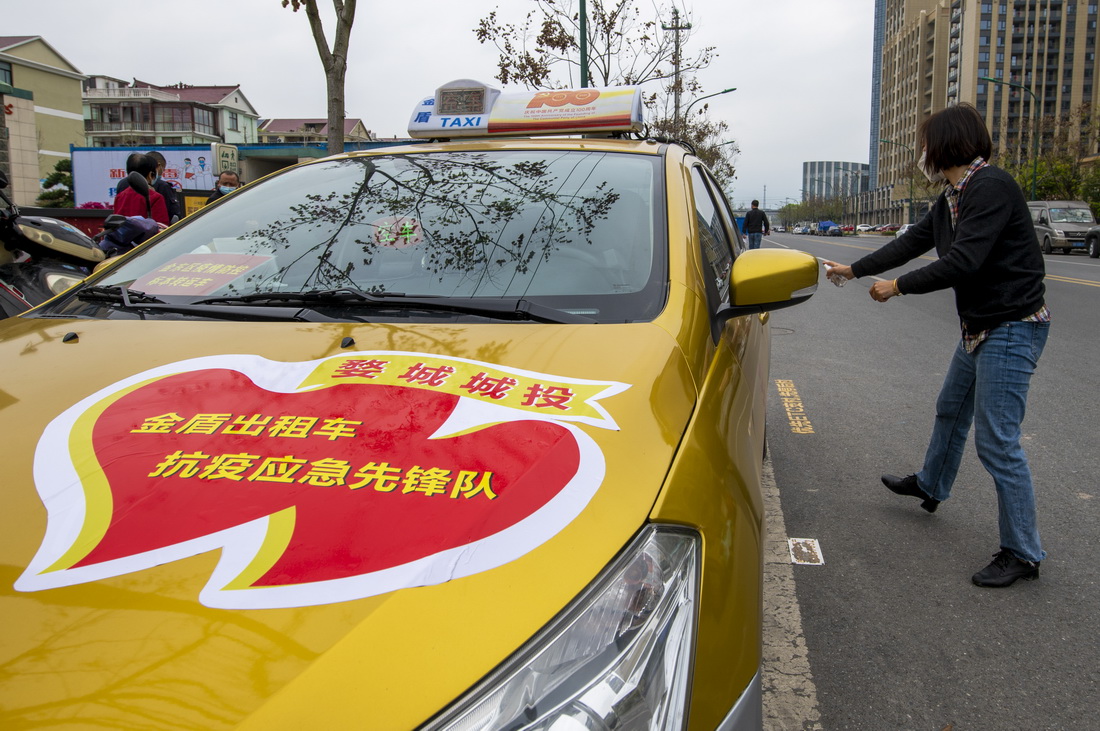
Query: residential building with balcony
[40,97]
[139,114]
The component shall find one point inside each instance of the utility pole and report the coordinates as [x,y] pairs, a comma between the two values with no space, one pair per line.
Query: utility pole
[584,46]
[676,28]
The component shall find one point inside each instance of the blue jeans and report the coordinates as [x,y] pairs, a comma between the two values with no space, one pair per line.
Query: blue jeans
[989,389]
[754,240]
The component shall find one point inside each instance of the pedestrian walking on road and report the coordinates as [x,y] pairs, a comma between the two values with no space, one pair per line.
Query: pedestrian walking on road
[756,225]
[988,253]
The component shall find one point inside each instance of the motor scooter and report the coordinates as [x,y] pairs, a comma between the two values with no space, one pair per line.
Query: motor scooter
[40,257]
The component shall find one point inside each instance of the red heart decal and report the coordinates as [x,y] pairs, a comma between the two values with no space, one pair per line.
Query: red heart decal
[313,496]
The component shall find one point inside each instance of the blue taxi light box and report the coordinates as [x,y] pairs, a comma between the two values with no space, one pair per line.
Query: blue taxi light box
[466,108]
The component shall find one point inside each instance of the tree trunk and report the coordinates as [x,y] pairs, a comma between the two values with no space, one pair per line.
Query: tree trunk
[334,79]
[335,63]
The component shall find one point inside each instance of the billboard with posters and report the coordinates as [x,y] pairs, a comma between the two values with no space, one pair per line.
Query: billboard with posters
[97,170]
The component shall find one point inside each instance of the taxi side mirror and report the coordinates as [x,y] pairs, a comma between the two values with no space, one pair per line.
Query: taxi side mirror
[762,280]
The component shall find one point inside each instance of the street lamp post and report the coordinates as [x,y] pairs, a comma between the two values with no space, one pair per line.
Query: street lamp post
[907,147]
[708,96]
[1034,129]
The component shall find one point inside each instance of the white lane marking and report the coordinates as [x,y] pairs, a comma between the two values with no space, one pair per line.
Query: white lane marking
[790,695]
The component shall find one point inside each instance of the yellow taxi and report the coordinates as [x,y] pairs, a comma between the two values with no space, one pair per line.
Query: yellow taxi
[464,434]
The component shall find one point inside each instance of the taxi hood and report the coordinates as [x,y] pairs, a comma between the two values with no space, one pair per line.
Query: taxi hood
[246,522]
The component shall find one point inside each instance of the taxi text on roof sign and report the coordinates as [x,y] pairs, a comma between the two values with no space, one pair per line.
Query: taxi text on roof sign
[466,108]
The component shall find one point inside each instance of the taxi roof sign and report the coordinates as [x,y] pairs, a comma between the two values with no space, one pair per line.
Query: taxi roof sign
[467,108]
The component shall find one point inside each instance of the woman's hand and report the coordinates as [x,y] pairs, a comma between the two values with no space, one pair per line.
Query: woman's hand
[833,269]
[882,291]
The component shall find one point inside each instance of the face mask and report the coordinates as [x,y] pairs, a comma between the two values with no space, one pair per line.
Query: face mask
[225,189]
[935,177]
[156,180]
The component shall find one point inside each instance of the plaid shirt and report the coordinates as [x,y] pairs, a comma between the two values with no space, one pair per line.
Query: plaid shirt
[954,192]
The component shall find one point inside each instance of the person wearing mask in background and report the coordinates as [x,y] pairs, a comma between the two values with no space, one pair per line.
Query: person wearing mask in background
[756,225]
[162,186]
[228,182]
[129,202]
[988,253]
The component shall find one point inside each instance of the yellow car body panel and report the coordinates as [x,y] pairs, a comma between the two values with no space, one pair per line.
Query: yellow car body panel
[403,655]
[139,647]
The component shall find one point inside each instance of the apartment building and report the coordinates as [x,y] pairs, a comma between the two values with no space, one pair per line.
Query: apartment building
[40,95]
[834,179]
[941,52]
[118,113]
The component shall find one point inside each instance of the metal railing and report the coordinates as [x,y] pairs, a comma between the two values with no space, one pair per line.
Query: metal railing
[130,93]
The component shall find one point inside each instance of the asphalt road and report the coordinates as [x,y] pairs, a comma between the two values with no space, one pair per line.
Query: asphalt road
[895,634]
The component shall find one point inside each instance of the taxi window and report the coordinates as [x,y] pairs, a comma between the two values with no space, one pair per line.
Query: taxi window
[576,230]
[713,241]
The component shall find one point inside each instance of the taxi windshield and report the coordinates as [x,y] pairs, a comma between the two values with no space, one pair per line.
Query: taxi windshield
[575,230]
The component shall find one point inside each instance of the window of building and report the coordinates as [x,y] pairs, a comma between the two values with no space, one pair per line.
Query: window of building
[987,7]
[204,121]
[985,25]
[983,56]
[5,73]
[173,117]
[983,40]
[233,121]
[171,140]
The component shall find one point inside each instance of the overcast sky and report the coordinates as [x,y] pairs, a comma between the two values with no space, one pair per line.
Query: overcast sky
[802,68]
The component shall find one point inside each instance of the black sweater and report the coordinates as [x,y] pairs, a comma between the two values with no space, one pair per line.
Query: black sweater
[991,258]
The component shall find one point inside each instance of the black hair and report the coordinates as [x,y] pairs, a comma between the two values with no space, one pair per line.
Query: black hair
[754,203]
[159,158]
[954,136]
[141,163]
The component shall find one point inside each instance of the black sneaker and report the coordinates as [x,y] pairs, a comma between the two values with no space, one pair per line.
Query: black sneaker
[1005,569]
[909,486]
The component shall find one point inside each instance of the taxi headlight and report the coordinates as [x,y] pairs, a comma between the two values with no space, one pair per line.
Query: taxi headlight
[1059,233]
[619,657]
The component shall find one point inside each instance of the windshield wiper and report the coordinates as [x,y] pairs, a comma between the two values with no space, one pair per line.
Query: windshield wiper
[505,308]
[116,293]
[134,300]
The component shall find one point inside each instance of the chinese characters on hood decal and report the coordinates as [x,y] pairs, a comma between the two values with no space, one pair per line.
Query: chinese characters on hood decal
[320,481]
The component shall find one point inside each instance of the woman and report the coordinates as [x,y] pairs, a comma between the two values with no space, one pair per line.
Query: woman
[989,255]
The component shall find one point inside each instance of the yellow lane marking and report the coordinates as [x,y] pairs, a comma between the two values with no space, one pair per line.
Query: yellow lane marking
[1073,280]
[792,402]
